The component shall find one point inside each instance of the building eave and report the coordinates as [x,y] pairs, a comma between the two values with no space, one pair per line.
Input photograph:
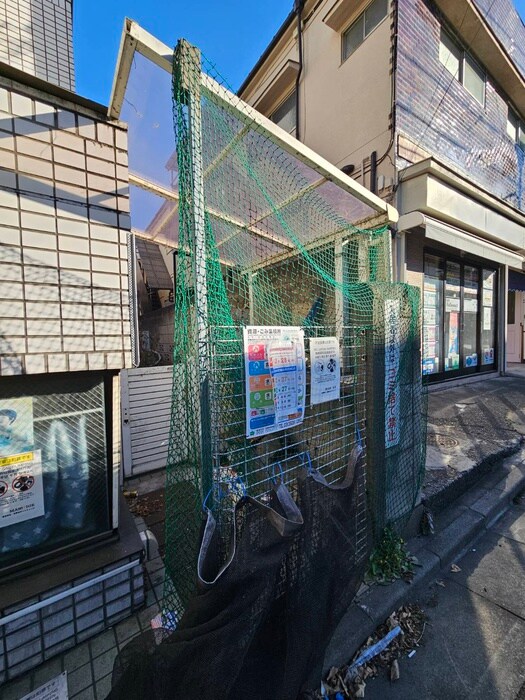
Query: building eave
[288,22]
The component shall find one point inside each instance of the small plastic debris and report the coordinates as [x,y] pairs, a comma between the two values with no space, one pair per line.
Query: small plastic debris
[339,696]
[473,550]
[166,620]
[360,691]
[440,583]
[427,523]
[370,652]
[394,671]
[455,568]
[131,494]
[411,653]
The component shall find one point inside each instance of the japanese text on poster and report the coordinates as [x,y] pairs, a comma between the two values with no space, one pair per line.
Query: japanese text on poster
[55,689]
[275,378]
[392,358]
[325,370]
[21,488]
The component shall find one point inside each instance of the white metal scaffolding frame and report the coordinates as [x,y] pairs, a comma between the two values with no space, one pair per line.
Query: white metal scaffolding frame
[135,39]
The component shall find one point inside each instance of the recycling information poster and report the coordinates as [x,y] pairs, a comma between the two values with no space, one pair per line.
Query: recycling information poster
[275,378]
[326,370]
[21,488]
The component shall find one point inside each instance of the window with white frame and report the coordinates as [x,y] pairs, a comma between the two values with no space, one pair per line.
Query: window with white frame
[515,128]
[462,66]
[284,115]
[364,25]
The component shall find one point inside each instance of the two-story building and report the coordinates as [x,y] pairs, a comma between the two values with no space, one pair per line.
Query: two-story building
[70,556]
[422,101]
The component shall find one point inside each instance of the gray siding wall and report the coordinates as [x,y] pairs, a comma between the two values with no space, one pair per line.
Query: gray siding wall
[436,112]
[36,36]
[64,222]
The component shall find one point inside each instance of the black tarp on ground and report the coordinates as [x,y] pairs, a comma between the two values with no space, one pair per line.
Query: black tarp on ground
[260,623]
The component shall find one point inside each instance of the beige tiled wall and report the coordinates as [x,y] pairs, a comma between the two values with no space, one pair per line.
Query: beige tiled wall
[64,222]
[36,36]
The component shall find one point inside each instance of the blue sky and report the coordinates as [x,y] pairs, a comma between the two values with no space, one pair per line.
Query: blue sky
[230,33]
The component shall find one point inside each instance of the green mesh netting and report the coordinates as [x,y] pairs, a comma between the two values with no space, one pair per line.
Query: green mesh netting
[265,240]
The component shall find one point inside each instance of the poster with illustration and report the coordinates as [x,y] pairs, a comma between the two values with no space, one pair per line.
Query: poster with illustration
[16,426]
[275,378]
[325,382]
[452,361]
[21,488]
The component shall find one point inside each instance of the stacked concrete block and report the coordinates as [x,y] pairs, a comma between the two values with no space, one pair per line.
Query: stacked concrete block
[64,225]
[36,36]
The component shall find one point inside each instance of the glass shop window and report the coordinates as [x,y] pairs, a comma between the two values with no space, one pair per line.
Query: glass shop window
[53,464]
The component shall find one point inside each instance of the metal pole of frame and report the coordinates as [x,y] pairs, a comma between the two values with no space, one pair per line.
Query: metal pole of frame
[189,65]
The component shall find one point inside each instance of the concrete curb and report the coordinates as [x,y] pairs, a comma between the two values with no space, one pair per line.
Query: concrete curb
[459,526]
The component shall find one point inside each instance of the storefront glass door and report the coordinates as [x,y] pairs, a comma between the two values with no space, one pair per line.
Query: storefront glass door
[459,318]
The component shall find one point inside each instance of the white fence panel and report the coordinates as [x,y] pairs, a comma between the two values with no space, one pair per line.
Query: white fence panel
[146,411]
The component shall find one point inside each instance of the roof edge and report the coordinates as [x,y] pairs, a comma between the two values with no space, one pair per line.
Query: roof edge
[267,51]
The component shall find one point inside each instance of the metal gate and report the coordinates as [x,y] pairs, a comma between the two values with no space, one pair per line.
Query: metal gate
[146,409]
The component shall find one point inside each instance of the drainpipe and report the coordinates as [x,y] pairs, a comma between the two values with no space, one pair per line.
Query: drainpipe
[298,7]
[392,82]
[373,172]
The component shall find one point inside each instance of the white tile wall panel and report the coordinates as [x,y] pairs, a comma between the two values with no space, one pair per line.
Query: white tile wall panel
[73,228]
[71,175]
[7,179]
[10,272]
[7,141]
[77,311]
[9,217]
[35,364]
[9,236]
[36,166]
[41,326]
[10,366]
[72,344]
[37,239]
[78,362]
[35,185]
[79,295]
[41,292]
[72,309]
[8,199]
[77,326]
[15,309]
[73,245]
[7,160]
[97,360]
[70,158]
[56,363]
[32,147]
[39,309]
[12,345]
[35,256]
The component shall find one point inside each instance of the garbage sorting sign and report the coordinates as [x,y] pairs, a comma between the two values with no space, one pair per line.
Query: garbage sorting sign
[21,488]
[325,370]
[275,378]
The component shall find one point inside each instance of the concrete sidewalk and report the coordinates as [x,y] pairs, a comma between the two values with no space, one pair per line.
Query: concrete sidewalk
[471,430]
[474,643]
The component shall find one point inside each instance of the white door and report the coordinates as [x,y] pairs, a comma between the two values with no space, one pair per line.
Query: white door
[514,326]
[146,396]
